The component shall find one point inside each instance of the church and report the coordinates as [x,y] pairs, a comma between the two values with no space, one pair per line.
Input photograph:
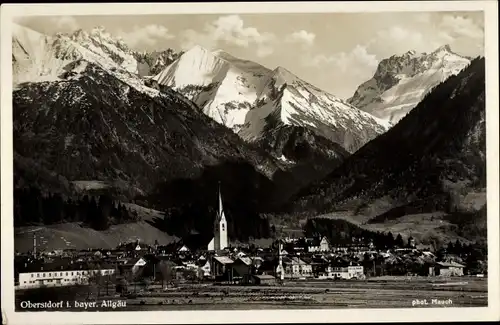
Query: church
[219,241]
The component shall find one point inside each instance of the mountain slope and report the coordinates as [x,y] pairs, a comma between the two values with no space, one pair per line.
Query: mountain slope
[108,129]
[286,100]
[233,91]
[432,160]
[400,82]
[246,97]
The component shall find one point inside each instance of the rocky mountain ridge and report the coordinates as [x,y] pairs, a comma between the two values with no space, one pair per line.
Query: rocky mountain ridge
[401,81]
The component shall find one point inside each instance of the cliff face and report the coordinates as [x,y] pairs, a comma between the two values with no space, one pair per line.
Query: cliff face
[401,81]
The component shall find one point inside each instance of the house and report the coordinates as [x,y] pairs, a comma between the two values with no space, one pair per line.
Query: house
[132,266]
[205,268]
[268,265]
[447,269]
[257,262]
[262,279]
[242,266]
[59,273]
[184,249]
[345,272]
[221,267]
[296,268]
[318,244]
[319,264]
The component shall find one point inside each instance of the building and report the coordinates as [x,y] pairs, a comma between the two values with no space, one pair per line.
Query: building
[318,245]
[295,268]
[222,267]
[132,267]
[60,273]
[262,279]
[219,242]
[447,269]
[205,268]
[347,272]
[411,242]
[183,249]
[243,267]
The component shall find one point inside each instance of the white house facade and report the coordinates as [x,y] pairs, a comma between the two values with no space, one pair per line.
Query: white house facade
[59,278]
[349,272]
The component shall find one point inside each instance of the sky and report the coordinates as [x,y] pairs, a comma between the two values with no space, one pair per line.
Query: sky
[333,51]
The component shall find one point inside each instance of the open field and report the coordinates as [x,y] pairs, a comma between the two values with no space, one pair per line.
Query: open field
[384,292]
[73,236]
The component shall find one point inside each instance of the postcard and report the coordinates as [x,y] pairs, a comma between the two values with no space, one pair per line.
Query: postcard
[249,162]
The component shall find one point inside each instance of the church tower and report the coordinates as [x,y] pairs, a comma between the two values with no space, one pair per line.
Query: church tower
[220,227]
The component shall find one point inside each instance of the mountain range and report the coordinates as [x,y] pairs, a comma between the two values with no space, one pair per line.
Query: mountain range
[82,116]
[252,99]
[401,82]
[163,128]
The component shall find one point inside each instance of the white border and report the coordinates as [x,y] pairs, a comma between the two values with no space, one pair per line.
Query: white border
[492,312]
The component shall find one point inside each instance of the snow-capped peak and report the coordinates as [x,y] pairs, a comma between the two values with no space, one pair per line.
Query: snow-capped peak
[223,85]
[39,57]
[282,76]
[78,35]
[444,48]
[198,50]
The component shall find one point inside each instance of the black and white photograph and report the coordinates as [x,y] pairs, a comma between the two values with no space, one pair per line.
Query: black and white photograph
[200,158]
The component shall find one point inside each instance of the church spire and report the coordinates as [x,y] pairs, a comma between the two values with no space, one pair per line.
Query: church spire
[221,210]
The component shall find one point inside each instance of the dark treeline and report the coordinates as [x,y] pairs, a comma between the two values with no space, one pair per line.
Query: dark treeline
[192,204]
[182,220]
[31,206]
[340,232]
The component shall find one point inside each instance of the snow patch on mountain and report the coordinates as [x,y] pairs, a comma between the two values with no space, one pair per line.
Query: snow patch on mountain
[401,82]
[225,87]
[285,159]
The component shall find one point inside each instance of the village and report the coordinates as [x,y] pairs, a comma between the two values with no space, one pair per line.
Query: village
[133,268]
[300,259]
